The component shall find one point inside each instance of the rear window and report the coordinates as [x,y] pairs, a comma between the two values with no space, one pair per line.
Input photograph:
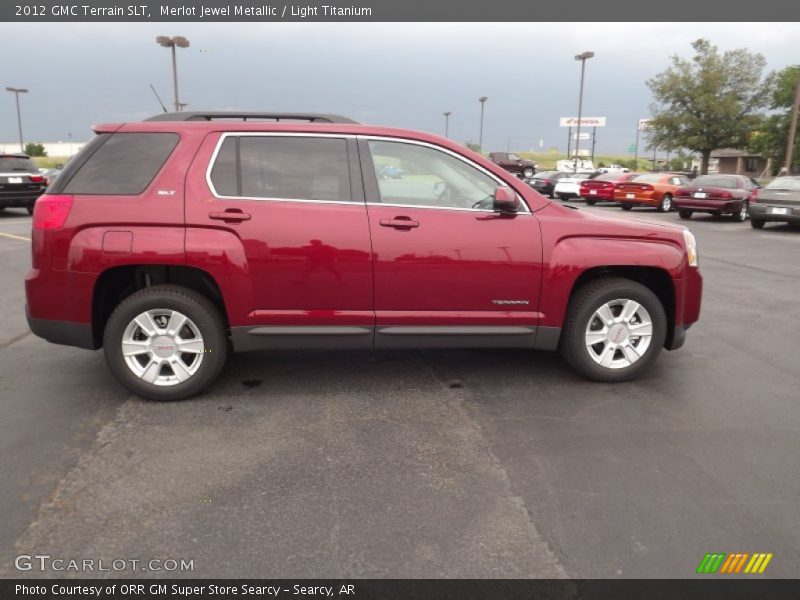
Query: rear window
[17,164]
[730,183]
[290,168]
[612,176]
[121,164]
[784,183]
[649,178]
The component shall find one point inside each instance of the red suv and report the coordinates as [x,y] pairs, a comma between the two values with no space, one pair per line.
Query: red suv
[170,241]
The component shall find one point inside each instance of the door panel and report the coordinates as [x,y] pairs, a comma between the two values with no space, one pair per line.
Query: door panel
[307,254]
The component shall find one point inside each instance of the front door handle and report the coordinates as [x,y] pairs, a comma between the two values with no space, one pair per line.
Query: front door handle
[230,215]
[400,223]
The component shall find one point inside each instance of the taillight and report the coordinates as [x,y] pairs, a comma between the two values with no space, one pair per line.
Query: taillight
[36,178]
[754,196]
[682,192]
[547,181]
[725,195]
[51,212]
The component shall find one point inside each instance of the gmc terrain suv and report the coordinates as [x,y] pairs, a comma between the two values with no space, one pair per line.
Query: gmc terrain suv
[170,241]
[20,182]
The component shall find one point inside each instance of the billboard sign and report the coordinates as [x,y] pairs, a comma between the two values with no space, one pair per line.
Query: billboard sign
[585,121]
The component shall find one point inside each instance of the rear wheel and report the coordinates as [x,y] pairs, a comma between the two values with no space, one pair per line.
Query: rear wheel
[757,223]
[666,203]
[685,214]
[614,330]
[30,210]
[590,202]
[528,172]
[626,206]
[165,342]
[743,212]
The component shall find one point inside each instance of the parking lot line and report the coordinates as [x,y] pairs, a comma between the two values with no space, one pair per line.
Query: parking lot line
[16,222]
[15,237]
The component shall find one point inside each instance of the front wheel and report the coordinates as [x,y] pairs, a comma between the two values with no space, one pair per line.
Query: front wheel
[165,342]
[685,214]
[615,329]
[666,204]
[528,172]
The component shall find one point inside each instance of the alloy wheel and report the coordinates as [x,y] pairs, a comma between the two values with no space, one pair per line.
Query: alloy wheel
[618,333]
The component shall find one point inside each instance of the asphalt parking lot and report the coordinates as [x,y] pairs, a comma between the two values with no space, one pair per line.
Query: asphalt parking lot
[422,463]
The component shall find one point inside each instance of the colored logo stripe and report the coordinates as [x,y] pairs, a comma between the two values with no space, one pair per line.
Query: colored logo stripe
[734,563]
[758,563]
[722,562]
[711,562]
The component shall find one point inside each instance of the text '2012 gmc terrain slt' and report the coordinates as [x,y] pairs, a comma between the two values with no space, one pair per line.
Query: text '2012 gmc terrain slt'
[170,241]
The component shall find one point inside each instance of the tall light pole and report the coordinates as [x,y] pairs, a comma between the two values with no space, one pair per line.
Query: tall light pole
[447,123]
[482,100]
[583,57]
[17,92]
[793,126]
[173,42]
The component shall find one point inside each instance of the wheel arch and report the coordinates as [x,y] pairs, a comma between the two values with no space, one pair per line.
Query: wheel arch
[117,283]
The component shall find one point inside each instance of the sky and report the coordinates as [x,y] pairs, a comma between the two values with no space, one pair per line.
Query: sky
[397,74]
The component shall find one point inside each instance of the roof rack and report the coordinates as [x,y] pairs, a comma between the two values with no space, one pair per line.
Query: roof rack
[255,116]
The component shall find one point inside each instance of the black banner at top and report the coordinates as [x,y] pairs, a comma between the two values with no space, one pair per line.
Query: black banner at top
[399,10]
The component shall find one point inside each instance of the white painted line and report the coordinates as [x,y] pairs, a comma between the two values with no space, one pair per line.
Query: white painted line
[16,222]
[15,237]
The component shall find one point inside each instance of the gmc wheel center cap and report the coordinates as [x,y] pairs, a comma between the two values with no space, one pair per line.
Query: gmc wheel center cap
[163,346]
[618,333]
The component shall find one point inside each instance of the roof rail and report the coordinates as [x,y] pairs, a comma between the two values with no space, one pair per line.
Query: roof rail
[245,116]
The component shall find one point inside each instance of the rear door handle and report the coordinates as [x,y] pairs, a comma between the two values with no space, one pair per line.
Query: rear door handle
[231,215]
[399,223]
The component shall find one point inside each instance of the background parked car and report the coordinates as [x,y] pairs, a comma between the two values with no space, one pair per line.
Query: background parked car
[514,164]
[545,181]
[20,182]
[650,189]
[391,172]
[779,200]
[601,188]
[570,186]
[716,195]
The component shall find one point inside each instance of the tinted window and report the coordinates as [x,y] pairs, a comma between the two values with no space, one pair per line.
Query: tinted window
[124,164]
[16,164]
[421,176]
[287,168]
[223,175]
[730,183]
[648,178]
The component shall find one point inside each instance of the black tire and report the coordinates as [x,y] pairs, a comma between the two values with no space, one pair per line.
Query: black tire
[553,195]
[757,223]
[528,172]
[626,206]
[742,214]
[666,203]
[30,209]
[562,197]
[685,214]
[590,202]
[172,297]
[584,302]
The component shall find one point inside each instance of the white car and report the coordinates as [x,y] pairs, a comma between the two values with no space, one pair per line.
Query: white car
[614,169]
[568,164]
[570,187]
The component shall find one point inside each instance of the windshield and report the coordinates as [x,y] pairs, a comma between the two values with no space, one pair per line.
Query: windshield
[14,164]
[514,157]
[720,181]
[784,183]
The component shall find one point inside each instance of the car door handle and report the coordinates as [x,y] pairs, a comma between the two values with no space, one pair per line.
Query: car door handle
[231,215]
[399,223]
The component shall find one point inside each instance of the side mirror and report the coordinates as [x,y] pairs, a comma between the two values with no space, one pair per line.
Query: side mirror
[505,200]
[59,166]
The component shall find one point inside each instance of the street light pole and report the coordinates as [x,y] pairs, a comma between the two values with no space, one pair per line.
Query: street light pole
[482,100]
[173,43]
[447,123]
[793,126]
[17,92]
[583,57]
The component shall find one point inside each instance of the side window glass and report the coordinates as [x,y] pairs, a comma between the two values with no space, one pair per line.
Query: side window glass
[415,175]
[283,168]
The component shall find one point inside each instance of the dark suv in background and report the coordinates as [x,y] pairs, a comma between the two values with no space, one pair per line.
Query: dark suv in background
[20,182]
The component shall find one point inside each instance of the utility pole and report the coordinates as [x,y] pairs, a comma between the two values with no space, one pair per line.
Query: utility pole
[447,123]
[594,141]
[583,57]
[793,126]
[569,141]
[482,100]
[636,148]
[17,92]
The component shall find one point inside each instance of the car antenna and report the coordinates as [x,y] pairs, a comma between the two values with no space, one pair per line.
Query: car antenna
[164,108]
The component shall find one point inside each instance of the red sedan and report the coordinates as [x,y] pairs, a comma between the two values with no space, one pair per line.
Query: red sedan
[601,188]
[717,195]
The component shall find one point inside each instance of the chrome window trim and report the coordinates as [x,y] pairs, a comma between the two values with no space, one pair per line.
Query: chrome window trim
[225,135]
[455,155]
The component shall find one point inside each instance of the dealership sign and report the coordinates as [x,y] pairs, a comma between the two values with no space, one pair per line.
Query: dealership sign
[585,121]
[644,124]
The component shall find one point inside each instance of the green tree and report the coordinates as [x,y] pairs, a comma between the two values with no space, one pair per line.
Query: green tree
[770,139]
[710,101]
[32,149]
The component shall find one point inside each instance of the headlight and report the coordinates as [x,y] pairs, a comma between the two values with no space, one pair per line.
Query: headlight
[691,248]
